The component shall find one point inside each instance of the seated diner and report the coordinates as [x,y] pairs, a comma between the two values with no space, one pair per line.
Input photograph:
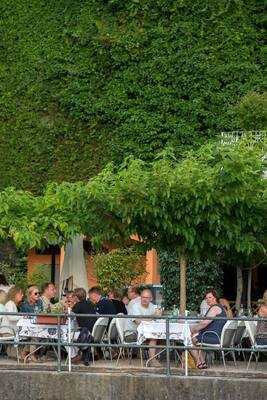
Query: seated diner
[203,330]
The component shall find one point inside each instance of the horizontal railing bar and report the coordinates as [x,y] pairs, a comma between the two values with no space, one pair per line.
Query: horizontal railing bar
[130,316]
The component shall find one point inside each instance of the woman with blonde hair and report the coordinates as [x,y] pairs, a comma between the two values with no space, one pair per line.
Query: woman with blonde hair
[13,300]
[9,322]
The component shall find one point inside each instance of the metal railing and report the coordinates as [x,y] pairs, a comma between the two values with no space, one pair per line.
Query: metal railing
[169,345]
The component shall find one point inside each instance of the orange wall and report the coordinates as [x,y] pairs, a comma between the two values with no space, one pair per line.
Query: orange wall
[34,259]
[152,276]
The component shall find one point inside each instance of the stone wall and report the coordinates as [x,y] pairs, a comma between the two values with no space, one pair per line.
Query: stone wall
[32,385]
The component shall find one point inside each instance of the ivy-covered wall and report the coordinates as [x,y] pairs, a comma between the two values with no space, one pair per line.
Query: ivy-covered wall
[201,275]
[83,82]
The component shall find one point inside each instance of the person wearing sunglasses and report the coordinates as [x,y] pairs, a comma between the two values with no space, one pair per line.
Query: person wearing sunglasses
[33,303]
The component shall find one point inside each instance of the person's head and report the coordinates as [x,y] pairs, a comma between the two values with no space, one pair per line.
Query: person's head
[15,294]
[133,292]
[225,303]
[33,294]
[48,290]
[211,297]
[113,295]
[3,280]
[95,294]
[125,300]
[264,298]
[2,296]
[146,297]
[79,293]
[70,300]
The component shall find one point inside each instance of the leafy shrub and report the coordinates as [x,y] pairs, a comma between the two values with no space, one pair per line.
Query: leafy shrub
[119,78]
[40,274]
[118,268]
[15,275]
[200,276]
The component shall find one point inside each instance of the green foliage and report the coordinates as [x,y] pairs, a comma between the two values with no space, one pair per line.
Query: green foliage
[213,199]
[118,268]
[201,275]
[252,111]
[41,274]
[86,82]
[15,275]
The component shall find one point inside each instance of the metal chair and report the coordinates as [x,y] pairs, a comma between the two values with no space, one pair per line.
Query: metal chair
[112,337]
[121,325]
[98,332]
[239,334]
[251,331]
[12,338]
[225,341]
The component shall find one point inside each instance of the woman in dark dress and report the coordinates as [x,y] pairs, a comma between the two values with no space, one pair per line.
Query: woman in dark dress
[201,331]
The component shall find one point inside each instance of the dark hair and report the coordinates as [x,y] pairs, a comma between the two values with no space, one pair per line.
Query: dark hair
[95,289]
[214,294]
[3,280]
[45,286]
[80,293]
[134,289]
[116,294]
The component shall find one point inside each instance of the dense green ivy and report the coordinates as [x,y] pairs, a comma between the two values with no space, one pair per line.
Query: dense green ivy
[201,275]
[86,82]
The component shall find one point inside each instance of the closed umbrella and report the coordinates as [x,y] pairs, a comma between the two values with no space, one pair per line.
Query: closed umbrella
[73,273]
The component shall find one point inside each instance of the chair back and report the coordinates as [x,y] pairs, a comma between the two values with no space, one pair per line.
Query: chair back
[251,331]
[239,333]
[99,328]
[120,325]
[228,333]
[112,333]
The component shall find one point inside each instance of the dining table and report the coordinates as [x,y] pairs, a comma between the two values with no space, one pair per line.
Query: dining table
[157,329]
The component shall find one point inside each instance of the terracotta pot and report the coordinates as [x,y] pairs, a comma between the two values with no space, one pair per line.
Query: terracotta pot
[50,320]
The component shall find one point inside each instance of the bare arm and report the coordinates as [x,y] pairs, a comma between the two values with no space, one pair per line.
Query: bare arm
[214,312]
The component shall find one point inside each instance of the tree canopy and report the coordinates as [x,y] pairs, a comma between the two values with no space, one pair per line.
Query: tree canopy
[86,82]
[213,199]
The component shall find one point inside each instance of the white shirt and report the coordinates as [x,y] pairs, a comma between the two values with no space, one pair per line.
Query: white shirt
[10,320]
[131,303]
[138,309]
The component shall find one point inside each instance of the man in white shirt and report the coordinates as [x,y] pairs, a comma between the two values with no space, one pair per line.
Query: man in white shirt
[143,308]
[134,297]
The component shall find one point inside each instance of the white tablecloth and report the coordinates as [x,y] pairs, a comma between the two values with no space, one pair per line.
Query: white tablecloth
[27,328]
[157,330]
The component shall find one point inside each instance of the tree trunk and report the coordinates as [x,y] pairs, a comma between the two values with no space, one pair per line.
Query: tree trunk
[239,287]
[249,290]
[183,265]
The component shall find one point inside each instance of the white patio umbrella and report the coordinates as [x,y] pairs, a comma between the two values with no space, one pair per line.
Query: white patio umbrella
[73,273]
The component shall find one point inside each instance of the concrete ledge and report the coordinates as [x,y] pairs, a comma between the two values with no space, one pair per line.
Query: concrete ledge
[44,385]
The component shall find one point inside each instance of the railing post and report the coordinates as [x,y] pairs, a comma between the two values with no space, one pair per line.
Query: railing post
[186,343]
[58,345]
[168,369]
[69,339]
